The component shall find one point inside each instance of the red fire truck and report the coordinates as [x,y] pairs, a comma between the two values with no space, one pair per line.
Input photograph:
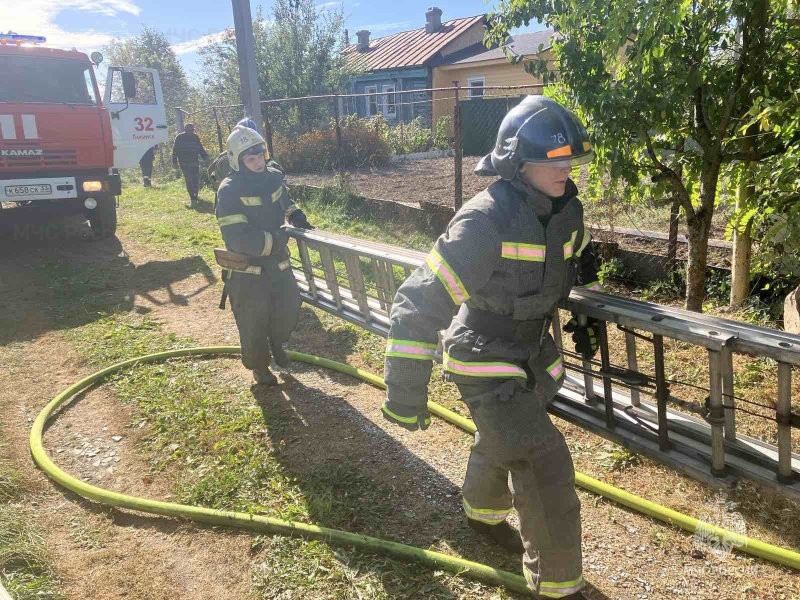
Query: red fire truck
[61,146]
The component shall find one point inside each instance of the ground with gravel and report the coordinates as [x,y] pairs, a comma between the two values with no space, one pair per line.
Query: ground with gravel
[326,420]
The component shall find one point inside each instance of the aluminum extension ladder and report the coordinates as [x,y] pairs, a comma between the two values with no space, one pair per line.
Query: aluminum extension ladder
[356,280]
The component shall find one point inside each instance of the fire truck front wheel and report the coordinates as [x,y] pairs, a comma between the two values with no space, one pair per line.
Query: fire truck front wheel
[103,217]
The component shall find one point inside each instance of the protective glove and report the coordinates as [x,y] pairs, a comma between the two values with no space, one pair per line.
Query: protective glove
[407,417]
[279,241]
[586,337]
[298,219]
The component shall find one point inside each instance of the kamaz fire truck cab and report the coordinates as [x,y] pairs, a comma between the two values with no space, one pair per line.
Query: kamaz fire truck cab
[61,147]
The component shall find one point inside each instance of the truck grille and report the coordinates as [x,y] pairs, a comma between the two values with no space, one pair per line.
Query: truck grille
[50,159]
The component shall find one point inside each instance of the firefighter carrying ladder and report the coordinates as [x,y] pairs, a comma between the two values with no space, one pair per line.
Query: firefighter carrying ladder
[356,280]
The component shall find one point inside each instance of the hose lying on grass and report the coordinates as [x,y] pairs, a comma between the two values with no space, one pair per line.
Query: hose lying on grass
[263,524]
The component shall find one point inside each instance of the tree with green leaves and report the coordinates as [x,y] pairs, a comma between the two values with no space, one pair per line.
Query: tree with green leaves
[151,49]
[298,53]
[667,89]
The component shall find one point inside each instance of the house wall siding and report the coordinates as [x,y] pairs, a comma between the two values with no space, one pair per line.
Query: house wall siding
[495,73]
[473,35]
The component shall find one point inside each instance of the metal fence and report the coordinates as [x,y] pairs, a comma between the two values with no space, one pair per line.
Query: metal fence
[420,148]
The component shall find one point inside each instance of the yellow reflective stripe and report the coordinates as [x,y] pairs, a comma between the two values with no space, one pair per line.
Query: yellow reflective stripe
[485,515]
[519,251]
[559,589]
[482,369]
[276,195]
[587,237]
[528,577]
[569,246]
[448,277]
[267,244]
[396,417]
[231,220]
[410,349]
[251,200]
[556,370]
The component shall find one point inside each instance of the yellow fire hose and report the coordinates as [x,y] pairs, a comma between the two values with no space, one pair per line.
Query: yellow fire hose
[263,524]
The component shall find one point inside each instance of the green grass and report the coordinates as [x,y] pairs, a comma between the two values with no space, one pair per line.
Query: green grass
[160,218]
[227,450]
[25,566]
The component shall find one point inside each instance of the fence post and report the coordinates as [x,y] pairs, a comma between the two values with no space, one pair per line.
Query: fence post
[457,149]
[339,150]
[268,131]
[179,119]
[219,131]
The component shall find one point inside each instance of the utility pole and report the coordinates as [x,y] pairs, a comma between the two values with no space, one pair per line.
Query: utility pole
[246,54]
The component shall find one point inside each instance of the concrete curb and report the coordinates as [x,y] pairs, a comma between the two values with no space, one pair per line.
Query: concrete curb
[422,155]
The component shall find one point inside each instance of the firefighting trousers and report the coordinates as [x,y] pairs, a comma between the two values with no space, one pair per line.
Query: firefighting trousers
[265,306]
[191,176]
[516,436]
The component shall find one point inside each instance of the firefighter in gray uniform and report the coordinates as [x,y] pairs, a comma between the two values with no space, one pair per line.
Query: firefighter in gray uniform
[253,205]
[507,259]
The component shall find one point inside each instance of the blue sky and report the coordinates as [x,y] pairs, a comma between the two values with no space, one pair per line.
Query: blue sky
[89,24]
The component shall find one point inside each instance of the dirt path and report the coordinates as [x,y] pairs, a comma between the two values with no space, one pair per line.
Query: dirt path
[105,553]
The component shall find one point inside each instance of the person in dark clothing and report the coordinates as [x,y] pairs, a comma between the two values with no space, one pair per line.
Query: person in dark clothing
[509,257]
[186,152]
[146,165]
[252,205]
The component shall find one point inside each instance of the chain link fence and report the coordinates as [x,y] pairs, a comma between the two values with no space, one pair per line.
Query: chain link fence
[419,148]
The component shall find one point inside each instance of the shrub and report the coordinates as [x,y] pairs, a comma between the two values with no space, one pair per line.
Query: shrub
[362,145]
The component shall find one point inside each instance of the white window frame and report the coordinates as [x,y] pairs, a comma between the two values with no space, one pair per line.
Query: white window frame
[372,89]
[389,89]
[472,80]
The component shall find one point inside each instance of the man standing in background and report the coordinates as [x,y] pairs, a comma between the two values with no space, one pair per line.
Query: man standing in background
[146,165]
[186,152]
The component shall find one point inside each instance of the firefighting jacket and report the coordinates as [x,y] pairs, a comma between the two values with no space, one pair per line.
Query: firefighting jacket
[506,260]
[251,208]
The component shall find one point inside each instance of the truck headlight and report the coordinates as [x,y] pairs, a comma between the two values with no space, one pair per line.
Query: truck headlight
[92,186]
[90,203]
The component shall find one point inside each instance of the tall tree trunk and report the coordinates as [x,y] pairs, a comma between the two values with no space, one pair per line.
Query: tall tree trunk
[699,227]
[742,233]
[672,244]
[674,217]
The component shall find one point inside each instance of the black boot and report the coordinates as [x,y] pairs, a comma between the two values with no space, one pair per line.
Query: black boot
[264,377]
[503,534]
[279,354]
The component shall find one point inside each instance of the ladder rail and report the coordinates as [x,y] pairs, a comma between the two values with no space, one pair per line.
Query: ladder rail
[364,296]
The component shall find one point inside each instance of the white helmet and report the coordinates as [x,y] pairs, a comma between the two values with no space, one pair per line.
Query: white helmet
[240,139]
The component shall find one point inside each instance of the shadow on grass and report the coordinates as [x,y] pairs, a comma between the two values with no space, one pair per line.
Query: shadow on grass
[359,478]
[60,280]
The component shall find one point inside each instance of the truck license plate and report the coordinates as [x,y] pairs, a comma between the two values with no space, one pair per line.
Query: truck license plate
[28,190]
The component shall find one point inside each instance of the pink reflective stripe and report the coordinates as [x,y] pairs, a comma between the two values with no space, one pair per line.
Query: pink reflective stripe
[587,237]
[556,369]
[518,251]
[493,369]
[411,350]
[593,287]
[448,278]
[569,247]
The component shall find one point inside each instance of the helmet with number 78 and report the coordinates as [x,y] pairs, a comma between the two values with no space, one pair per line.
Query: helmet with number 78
[240,139]
[541,131]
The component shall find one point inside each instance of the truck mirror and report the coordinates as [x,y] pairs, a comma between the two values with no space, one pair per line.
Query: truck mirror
[128,84]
